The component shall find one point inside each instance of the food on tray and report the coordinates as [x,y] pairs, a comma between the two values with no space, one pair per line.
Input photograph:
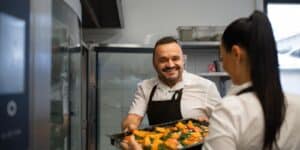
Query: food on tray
[176,136]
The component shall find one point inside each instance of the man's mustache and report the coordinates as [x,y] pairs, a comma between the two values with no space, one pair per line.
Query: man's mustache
[166,69]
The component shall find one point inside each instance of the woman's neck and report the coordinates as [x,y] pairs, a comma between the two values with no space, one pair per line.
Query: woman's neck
[243,76]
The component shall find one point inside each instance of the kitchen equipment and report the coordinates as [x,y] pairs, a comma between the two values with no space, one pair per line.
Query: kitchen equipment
[186,33]
[209,33]
[200,33]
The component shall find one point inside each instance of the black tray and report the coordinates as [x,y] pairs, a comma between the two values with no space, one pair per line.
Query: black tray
[116,139]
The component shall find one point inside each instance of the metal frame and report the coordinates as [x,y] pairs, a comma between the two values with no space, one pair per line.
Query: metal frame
[97,94]
[91,100]
[84,96]
[39,74]
[122,50]
[142,48]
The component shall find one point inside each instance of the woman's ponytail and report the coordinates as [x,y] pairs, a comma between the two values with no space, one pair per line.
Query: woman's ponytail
[256,36]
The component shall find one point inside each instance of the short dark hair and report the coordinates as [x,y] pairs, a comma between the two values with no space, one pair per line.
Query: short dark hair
[164,40]
[255,35]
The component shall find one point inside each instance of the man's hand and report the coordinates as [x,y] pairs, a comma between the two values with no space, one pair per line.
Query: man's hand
[130,144]
[131,122]
[130,127]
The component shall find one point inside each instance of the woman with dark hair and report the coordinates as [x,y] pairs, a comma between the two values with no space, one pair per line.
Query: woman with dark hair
[255,114]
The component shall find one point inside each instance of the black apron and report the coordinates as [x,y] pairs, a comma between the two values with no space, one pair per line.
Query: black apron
[166,110]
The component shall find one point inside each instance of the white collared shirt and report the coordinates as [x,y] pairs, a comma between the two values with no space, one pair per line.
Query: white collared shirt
[238,123]
[199,95]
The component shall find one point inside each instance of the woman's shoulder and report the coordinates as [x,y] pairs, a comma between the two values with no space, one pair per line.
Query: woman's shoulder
[243,115]
[293,101]
[240,105]
[292,98]
[230,103]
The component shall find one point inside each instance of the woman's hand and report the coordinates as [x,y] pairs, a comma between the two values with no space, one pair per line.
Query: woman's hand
[130,143]
[203,118]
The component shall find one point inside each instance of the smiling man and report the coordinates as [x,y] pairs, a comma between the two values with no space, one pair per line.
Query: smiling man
[168,62]
[174,94]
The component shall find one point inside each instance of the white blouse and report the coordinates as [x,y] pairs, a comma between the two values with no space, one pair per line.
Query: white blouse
[199,95]
[237,123]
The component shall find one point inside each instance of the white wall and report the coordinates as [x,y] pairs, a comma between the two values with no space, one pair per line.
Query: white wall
[147,20]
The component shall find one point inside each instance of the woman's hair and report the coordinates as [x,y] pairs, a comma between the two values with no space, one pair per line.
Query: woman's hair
[255,35]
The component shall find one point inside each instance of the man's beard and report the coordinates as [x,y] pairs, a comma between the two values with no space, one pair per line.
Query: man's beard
[171,81]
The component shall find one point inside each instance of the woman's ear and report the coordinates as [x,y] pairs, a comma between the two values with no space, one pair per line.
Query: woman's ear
[236,52]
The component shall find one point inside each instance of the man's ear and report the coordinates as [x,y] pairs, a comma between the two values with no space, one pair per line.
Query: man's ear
[184,59]
[154,65]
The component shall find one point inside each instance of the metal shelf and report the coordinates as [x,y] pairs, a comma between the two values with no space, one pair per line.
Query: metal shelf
[214,74]
[200,44]
[222,78]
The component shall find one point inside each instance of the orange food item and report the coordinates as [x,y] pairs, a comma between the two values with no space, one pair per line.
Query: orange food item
[175,135]
[155,144]
[180,125]
[147,141]
[172,143]
[172,137]
[161,129]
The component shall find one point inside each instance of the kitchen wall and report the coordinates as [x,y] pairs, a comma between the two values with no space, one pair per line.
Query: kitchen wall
[145,21]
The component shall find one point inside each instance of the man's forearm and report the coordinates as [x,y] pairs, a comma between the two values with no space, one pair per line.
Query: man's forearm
[132,121]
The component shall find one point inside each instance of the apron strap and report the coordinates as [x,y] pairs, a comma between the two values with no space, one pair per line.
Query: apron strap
[177,95]
[152,93]
[248,89]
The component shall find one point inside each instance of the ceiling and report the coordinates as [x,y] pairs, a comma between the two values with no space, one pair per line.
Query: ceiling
[102,14]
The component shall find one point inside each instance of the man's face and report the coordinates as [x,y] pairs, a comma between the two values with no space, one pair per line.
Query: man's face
[169,63]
